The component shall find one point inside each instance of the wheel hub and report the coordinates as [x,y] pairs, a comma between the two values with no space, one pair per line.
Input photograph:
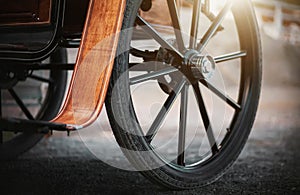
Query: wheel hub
[7,79]
[195,66]
[200,66]
[10,76]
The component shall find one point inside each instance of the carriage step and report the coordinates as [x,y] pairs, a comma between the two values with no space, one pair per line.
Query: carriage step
[33,126]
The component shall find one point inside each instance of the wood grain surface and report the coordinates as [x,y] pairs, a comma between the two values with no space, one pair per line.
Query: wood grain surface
[94,63]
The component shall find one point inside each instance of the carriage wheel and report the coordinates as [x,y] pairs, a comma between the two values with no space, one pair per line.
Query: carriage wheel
[182,107]
[38,97]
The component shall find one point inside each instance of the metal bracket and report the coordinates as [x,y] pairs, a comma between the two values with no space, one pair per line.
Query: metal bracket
[33,126]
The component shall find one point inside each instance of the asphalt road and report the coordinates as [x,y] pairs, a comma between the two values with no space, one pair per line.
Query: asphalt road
[269,164]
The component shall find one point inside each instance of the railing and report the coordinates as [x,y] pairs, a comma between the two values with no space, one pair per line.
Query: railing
[279,19]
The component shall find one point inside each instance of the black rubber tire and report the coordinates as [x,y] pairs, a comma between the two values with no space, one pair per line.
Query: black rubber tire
[126,127]
[54,97]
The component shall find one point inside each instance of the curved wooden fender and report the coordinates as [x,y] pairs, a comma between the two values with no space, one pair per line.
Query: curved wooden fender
[94,64]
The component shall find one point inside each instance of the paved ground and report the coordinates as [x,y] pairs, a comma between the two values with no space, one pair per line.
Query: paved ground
[269,164]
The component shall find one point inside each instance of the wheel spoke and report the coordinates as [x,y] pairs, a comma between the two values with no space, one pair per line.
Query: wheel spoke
[230,56]
[176,24]
[205,119]
[214,26]
[153,33]
[21,104]
[195,23]
[164,111]
[182,125]
[38,78]
[221,95]
[152,75]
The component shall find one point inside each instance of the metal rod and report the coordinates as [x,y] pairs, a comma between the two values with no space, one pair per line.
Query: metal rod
[55,66]
[205,119]
[152,75]
[22,125]
[176,24]
[195,24]
[221,95]
[21,104]
[164,111]
[182,125]
[153,33]
[214,26]
[38,78]
[230,56]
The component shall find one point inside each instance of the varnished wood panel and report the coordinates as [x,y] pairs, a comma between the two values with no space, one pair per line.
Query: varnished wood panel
[94,63]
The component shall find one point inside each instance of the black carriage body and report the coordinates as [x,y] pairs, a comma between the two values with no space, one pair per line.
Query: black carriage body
[31,30]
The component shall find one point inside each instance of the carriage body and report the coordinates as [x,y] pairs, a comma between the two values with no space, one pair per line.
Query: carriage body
[201,48]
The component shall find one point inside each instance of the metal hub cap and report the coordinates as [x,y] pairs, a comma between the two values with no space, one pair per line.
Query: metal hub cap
[201,66]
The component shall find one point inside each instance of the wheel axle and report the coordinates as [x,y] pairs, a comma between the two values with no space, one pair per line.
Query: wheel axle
[34,126]
[201,66]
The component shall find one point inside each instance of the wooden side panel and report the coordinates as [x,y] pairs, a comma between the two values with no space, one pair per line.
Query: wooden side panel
[21,12]
[94,63]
